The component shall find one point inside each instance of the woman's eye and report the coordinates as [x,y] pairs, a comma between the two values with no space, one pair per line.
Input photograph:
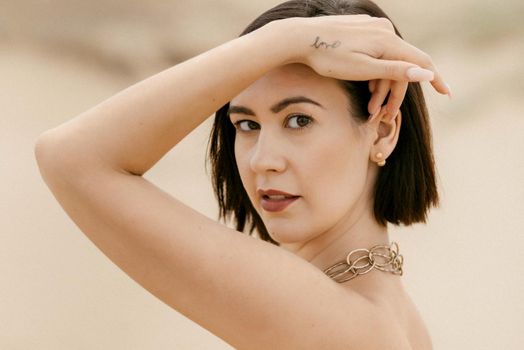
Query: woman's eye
[299,121]
[246,125]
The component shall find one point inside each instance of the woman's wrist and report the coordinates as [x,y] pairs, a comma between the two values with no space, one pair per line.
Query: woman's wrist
[283,39]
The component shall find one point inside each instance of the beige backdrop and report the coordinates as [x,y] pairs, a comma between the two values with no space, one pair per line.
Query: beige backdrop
[60,57]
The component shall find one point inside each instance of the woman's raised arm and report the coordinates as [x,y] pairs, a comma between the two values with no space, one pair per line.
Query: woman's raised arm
[248,292]
[135,128]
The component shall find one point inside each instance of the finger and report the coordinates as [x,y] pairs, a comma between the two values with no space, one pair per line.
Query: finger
[372,85]
[376,68]
[379,96]
[400,71]
[437,81]
[398,49]
[440,85]
[396,96]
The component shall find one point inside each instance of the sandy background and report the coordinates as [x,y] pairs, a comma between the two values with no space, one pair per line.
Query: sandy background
[465,269]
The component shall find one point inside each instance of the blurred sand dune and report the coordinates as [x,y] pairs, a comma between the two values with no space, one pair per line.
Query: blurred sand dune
[58,58]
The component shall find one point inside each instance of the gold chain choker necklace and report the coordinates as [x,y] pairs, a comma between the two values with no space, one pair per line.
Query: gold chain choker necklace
[361,261]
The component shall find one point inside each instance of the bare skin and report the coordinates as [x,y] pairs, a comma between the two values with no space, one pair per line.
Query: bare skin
[273,150]
[243,290]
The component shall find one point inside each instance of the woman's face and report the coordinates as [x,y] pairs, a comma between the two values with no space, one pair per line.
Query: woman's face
[294,134]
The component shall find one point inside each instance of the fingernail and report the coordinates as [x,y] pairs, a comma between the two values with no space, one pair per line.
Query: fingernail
[449,91]
[373,115]
[419,74]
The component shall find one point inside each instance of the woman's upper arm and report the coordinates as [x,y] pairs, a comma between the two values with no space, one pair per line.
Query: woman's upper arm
[246,291]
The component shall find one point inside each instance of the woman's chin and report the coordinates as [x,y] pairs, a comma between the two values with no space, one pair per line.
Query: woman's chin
[287,234]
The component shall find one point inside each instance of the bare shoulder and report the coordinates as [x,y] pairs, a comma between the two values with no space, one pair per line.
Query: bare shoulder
[248,292]
[415,327]
[405,323]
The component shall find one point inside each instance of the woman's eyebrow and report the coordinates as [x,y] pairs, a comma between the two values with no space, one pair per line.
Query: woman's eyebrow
[240,110]
[291,100]
[276,107]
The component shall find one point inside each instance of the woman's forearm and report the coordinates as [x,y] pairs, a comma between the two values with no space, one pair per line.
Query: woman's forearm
[132,130]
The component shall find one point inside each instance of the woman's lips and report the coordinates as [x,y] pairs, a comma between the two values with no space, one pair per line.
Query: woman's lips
[276,204]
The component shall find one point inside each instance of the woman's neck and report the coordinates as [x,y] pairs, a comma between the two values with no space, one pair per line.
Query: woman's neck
[359,231]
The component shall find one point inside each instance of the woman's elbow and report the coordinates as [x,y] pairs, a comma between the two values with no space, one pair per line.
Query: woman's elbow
[55,157]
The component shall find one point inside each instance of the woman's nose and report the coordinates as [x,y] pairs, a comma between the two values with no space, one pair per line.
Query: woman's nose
[268,154]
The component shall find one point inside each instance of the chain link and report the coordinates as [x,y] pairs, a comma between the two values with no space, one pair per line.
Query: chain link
[361,261]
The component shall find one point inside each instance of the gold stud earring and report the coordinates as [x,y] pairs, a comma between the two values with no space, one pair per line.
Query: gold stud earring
[379,155]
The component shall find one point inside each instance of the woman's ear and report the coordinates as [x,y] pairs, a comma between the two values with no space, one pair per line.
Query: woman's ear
[385,134]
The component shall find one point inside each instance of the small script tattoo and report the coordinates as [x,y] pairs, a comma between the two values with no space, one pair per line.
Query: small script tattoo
[319,44]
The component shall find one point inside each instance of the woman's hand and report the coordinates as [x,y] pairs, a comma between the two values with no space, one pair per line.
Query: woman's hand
[360,47]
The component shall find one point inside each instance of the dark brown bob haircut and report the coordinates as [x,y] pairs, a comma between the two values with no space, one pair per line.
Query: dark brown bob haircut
[405,188]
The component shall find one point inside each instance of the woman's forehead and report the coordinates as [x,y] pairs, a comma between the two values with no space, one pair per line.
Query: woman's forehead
[285,81]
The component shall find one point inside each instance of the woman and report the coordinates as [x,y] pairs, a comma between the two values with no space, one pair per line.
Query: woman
[299,150]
